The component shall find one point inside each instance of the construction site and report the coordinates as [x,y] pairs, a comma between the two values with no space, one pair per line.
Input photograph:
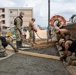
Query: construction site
[48,55]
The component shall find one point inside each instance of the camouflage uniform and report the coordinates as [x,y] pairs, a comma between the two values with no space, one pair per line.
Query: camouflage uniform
[31,32]
[4,43]
[1,47]
[72,61]
[18,33]
[17,28]
[2,50]
[11,44]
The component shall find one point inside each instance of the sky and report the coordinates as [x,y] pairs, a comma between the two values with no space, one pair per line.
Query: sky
[65,8]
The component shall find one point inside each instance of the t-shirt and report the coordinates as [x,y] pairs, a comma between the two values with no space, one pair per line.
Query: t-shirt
[72,48]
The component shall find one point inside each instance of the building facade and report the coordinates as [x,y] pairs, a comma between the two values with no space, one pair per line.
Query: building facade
[8,14]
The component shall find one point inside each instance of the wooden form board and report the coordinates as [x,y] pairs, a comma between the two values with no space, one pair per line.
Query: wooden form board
[37,55]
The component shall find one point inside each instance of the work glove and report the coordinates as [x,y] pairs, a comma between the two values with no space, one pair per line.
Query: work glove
[35,30]
[63,58]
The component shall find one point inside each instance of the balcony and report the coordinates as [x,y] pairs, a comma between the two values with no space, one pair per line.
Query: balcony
[2,19]
[2,13]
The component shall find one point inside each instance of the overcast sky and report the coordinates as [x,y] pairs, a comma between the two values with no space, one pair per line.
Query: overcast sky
[65,8]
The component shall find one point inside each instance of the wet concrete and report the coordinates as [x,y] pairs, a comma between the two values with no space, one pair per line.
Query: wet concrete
[51,50]
[19,64]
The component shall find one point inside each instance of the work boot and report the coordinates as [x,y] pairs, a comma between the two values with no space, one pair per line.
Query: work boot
[15,50]
[69,63]
[20,43]
[73,63]
[73,58]
[34,43]
[63,58]
[75,54]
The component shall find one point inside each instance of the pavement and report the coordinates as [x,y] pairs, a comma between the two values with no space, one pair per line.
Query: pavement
[18,64]
[10,53]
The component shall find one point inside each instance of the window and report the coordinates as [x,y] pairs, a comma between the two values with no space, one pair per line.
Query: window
[3,16]
[11,12]
[3,10]
[3,22]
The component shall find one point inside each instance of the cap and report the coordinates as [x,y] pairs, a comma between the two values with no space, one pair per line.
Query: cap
[60,41]
[33,19]
[21,14]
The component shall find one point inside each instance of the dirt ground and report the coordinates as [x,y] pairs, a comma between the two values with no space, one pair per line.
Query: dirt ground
[71,69]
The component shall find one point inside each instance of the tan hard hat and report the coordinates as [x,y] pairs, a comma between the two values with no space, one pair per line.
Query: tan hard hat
[8,34]
[60,41]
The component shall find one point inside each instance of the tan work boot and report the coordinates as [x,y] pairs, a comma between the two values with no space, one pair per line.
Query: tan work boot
[73,63]
[16,50]
[73,58]
[69,63]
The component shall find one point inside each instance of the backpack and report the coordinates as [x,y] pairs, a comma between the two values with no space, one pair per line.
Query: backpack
[15,23]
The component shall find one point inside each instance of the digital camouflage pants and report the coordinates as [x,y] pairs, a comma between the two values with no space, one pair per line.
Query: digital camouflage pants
[31,36]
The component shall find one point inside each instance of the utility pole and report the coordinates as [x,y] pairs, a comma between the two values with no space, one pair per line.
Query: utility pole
[48,20]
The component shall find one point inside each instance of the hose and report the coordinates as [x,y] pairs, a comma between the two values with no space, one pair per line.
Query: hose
[39,36]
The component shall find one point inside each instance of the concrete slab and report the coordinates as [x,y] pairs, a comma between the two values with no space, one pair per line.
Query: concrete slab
[19,64]
[8,55]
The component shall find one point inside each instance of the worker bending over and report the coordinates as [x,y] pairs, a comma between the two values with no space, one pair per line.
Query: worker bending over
[63,33]
[69,45]
[4,42]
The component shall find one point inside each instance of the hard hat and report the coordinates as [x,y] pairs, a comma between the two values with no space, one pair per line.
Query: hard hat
[8,34]
[60,41]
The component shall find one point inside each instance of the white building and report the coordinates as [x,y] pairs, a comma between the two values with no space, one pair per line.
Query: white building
[8,14]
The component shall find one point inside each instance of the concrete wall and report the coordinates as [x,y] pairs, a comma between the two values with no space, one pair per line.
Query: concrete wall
[72,29]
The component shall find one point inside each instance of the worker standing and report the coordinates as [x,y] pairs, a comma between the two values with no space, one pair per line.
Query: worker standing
[69,45]
[18,22]
[32,31]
